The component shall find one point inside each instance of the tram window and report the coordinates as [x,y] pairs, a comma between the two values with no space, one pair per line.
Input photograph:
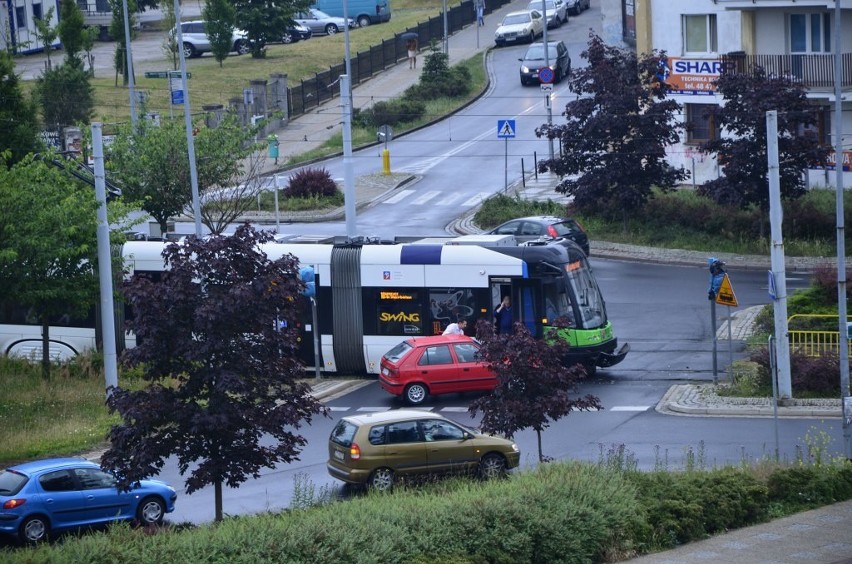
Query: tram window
[448,305]
[399,312]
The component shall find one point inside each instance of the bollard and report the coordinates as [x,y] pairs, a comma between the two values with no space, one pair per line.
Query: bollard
[386,169]
[523,174]
[535,164]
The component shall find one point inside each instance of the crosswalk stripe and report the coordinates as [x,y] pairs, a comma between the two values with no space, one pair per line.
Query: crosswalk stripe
[479,198]
[449,200]
[372,409]
[339,408]
[399,197]
[426,197]
[630,408]
[454,409]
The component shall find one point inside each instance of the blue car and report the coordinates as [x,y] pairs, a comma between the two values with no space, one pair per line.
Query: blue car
[60,494]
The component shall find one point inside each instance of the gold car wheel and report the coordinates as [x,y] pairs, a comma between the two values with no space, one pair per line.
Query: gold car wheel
[382,479]
[492,466]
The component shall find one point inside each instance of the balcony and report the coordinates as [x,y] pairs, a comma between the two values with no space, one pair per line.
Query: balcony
[813,71]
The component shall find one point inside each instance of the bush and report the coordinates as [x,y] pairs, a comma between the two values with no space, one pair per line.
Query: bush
[690,506]
[393,113]
[311,183]
[819,374]
[804,487]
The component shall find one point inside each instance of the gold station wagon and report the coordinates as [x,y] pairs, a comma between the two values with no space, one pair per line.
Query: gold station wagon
[376,448]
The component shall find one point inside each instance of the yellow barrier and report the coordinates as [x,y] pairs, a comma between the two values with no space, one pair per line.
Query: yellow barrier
[809,333]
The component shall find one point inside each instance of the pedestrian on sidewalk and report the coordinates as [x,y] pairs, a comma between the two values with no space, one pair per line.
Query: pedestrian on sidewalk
[480,12]
[412,53]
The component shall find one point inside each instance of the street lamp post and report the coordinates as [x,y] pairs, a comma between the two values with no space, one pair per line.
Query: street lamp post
[129,56]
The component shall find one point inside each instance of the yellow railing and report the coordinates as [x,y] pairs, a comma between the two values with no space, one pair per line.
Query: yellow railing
[809,334]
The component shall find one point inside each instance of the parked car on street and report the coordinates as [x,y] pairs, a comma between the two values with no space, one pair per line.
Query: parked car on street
[528,229]
[196,42]
[557,13]
[533,61]
[60,494]
[443,364]
[519,27]
[576,7]
[296,32]
[321,23]
[375,449]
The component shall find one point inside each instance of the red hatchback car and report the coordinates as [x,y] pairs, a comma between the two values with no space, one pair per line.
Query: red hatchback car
[442,364]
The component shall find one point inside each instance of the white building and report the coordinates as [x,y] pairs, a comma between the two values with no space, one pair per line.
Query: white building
[17,24]
[789,37]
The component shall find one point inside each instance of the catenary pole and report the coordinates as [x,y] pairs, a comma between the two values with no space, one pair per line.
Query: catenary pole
[187,115]
[104,264]
[841,239]
[129,57]
[782,339]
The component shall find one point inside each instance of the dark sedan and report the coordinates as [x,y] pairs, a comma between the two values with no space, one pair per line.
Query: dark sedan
[296,32]
[533,61]
[542,227]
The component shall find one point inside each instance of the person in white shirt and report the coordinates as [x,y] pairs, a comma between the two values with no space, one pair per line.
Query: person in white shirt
[456,328]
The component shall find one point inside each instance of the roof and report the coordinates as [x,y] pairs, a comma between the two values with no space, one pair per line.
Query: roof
[438,340]
[50,464]
[392,415]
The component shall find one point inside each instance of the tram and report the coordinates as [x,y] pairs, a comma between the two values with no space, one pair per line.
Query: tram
[371,294]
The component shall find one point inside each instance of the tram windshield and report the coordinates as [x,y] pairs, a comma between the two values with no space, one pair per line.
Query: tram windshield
[589,304]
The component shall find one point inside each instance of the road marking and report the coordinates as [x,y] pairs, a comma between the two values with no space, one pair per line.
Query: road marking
[339,408]
[630,408]
[426,197]
[373,409]
[448,200]
[478,199]
[399,197]
[454,409]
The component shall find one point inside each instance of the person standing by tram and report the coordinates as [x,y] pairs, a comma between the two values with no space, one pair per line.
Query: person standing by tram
[503,316]
[456,328]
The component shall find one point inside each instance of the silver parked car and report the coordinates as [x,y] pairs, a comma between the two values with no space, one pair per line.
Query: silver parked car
[557,12]
[196,42]
[321,23]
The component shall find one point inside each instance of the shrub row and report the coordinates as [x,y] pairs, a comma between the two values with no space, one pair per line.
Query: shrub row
[560,512]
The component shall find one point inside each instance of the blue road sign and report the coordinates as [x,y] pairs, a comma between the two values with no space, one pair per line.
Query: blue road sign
[773,293]
[177,97]
[545,75]
[505,128]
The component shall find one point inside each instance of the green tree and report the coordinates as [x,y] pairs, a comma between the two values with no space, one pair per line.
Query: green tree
[18,117]
[116,30]
[615,134]
[264,20]
[48,249]
[46,33]
[219,21]
[748,96]
[71,28]
[224,394]
[65,94]
[151,165]
[89,37]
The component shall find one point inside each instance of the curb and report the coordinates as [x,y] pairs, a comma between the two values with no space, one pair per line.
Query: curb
[689,400]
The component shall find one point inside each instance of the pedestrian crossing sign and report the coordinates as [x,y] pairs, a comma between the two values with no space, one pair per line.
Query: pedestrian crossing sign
[725,295]
[505,128]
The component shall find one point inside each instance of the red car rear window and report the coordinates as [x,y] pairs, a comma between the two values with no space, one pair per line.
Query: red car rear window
[399,351]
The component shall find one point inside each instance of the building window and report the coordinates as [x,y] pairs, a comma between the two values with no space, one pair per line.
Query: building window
[819,131]
[37,13]
[701,123]
[810,33]
[699,34]
[21,16]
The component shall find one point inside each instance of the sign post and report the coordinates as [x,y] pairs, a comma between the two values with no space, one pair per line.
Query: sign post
[505,130]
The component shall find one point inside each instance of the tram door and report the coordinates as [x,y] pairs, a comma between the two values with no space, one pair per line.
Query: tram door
[525,295]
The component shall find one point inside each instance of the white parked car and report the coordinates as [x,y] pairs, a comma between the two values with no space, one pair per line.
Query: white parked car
[557,12]
[519,27]
[196,43]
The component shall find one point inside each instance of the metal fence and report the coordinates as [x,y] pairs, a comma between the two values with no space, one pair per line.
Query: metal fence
[324,86]
[814,334]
